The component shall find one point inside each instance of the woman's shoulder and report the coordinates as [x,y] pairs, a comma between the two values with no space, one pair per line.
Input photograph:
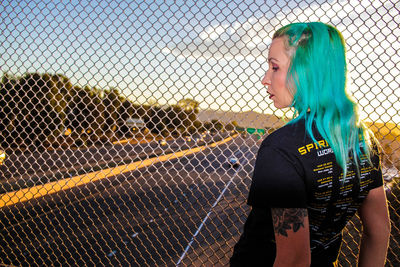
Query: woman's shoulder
[289,133]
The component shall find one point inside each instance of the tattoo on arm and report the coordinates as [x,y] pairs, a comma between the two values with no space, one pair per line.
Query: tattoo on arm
[287,219]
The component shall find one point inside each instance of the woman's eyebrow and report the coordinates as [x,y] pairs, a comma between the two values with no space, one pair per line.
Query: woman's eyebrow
[272,59]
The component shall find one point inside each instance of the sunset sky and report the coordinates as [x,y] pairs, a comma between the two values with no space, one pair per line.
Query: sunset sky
[212,51]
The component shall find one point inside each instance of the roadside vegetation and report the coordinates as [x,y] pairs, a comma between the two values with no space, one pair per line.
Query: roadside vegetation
[40,111]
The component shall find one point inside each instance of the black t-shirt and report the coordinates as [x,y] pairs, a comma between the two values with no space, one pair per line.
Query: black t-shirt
[293,171]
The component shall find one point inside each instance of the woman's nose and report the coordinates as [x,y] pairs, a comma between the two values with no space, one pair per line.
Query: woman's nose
[266,80]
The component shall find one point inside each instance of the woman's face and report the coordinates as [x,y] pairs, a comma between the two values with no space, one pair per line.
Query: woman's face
[275,78]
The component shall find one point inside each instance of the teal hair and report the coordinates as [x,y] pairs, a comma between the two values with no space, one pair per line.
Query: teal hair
[317,78]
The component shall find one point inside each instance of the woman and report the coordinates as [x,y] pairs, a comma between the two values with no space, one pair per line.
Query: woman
[300,200]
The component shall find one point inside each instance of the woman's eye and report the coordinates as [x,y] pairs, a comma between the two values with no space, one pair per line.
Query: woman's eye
[274,68]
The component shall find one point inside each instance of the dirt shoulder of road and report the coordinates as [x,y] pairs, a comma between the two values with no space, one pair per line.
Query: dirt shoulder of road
[388,135]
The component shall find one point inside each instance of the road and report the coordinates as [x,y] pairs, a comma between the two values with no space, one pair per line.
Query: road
[187,211]
[179,211]
[30,168]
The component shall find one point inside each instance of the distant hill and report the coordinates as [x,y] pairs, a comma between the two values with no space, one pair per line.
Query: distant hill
[388,133]
[244,119]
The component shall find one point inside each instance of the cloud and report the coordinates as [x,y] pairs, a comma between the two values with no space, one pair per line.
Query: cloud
[370,29]
[240,40]
[250,39]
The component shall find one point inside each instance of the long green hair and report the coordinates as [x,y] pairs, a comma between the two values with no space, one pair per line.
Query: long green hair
[317,79]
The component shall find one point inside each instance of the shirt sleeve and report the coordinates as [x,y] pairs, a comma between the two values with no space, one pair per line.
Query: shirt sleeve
[276,182]
[377,172]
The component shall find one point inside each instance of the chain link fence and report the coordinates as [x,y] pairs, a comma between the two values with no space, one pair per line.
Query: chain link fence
[129,129]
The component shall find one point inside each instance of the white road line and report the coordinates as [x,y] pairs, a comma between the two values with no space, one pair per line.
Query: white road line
[208,214]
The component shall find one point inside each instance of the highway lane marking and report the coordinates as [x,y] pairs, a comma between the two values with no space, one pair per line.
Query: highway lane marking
[210,211]
[25,194]
[120,142]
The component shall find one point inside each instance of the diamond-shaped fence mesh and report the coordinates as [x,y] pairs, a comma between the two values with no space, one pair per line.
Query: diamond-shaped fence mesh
[129,129]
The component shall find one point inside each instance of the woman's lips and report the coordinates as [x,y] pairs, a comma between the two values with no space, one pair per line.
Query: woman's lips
[270,95]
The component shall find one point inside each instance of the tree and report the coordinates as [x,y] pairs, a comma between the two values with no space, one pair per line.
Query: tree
[36,117]
[60,93]
[187,113]
[7,106]
[125,111]
[231,126]
[189,105]
[111,102]
[217,125]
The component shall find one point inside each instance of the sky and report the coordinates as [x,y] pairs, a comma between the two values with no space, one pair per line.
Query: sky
[211,51]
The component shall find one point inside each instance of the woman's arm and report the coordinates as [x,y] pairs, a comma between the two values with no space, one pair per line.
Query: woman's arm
[292,237]
[376,229]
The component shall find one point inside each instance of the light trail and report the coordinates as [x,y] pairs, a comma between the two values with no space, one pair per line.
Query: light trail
[25,194]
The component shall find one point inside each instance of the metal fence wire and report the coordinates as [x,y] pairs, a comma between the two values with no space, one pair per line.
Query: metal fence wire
[129,129]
